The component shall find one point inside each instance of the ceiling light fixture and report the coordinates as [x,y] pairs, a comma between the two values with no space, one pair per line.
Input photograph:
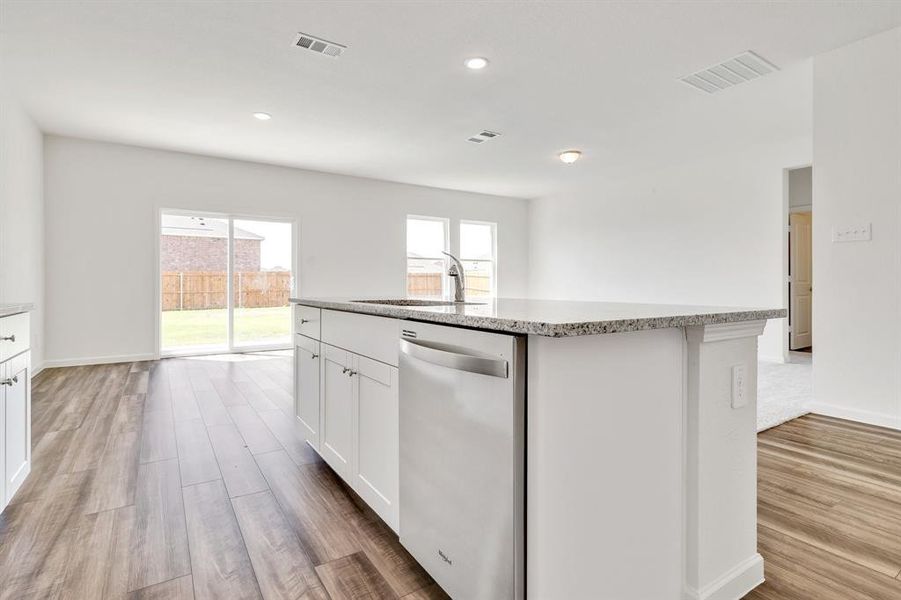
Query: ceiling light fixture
[475,63]
[262,116]
[570,156]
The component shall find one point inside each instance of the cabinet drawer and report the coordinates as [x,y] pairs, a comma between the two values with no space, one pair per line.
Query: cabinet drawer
[17,327]
[308,344]
[307,320]
[374,337]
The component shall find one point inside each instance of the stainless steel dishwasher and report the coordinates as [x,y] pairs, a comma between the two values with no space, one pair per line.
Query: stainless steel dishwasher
[462,458]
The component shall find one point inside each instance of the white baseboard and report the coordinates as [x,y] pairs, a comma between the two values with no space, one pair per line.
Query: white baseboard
[734,584]
[853,414]
[96,360]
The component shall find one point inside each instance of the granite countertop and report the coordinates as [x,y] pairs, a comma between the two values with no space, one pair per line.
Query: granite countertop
[553,318]
[12,309]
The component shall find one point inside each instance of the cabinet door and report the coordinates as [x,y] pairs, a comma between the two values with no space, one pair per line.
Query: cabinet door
[336,427]
[306,388]
[377,459]
[16,424]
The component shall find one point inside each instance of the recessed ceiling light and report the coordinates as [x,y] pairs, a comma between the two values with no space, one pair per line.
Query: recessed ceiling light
[570,156]
[475,63]
[262,116]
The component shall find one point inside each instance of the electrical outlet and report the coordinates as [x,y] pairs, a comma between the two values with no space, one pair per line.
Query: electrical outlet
[739,383]
[862,232]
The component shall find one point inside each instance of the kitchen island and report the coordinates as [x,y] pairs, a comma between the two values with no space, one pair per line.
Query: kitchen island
[640,435]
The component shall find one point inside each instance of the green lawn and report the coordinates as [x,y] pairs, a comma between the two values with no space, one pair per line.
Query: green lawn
[185,328]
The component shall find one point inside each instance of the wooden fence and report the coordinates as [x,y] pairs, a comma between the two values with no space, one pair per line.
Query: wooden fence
[201,290]
[429,284]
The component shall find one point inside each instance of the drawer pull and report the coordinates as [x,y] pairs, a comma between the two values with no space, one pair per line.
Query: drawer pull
[8,338]
[12,380]
[314,356]
[302,321]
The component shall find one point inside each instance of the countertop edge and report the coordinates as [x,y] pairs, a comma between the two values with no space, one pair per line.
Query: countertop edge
[571,329]
[8,310]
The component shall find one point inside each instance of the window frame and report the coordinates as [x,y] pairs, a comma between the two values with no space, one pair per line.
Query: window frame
[493,226]
[446,223]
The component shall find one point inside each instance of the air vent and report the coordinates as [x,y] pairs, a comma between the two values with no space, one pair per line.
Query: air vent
[319,45]
[742,68]
[483,136]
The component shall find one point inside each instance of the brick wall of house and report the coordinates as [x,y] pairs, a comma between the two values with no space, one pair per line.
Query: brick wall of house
[194,253]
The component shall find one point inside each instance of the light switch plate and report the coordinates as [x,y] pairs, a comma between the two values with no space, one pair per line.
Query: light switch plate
[739,385]
[862,232]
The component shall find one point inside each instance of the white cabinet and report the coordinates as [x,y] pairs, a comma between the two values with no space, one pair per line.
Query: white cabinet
[15,335]
[346,400]
[307,321]
[337,420]
[15,401]
[306,387]
[376,437]
[15,404]
[359,425]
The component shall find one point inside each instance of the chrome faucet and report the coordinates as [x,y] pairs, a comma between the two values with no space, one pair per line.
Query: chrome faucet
[456,271]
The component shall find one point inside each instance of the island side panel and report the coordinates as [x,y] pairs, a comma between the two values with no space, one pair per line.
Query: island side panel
[722,562]
[604,503]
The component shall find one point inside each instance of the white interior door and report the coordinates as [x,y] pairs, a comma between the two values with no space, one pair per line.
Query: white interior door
[801,285]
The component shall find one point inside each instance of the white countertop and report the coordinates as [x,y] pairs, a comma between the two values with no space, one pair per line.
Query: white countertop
[553,318]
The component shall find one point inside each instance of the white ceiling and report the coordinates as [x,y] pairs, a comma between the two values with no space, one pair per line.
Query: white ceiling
[399,104]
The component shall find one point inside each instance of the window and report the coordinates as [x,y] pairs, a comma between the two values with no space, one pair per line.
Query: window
[477,253]
[426,239]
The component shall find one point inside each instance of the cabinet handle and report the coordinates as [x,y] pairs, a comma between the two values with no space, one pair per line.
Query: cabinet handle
[14,379]
[9,338]
[351,373]
[344,369]
[314,356]
[302,321]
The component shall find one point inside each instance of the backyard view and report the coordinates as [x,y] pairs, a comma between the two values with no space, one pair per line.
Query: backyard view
[427,238]
[195,290]
[208,327]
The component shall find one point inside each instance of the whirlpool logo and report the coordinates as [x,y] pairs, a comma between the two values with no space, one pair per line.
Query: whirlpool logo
[444,557]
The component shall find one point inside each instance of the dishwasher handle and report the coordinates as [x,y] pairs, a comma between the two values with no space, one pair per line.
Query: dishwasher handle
[495,367]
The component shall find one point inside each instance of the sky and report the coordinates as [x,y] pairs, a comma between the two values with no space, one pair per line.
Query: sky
[276,249]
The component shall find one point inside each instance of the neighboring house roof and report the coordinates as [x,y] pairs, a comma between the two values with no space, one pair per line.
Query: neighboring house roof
[202,227]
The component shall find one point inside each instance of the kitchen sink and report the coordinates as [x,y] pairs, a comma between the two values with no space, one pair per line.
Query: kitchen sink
[412,302]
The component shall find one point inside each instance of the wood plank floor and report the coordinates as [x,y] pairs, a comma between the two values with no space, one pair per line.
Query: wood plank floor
[829,511]
[183,478]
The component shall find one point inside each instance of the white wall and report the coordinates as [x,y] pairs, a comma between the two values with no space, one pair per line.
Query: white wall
[800,188]
[857,179]
[102,202]
[22,217]
[705,232]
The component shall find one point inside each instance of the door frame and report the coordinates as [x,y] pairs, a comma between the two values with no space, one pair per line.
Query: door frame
[787,209]
[158,295]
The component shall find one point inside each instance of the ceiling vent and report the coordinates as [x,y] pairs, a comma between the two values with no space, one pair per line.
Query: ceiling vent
[319,45]
[483,136]
[742,68]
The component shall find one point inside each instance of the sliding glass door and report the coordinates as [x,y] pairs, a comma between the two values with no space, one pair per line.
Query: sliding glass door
[224,283]
[262,283]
